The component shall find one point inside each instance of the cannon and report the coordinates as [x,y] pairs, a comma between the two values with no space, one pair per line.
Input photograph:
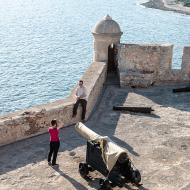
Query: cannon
[185,89]
[108,158]
[133,109]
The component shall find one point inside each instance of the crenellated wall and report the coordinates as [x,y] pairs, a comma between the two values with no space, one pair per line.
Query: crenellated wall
[185,67]
[36,120]
[143,65]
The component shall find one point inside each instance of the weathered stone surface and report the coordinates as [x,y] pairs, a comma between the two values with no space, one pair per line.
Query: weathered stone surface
[158,144]
[136,79]
[165,64]
[186,63]
[145,65]
[106,26]
[139,64]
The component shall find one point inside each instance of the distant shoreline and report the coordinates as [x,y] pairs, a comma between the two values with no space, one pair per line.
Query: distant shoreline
[168,5]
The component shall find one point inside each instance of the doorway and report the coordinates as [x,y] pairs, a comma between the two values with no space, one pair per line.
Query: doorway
[112,71]
[112,61]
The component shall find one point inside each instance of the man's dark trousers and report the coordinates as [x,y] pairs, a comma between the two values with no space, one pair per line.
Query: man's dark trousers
[83,103]
[54,147]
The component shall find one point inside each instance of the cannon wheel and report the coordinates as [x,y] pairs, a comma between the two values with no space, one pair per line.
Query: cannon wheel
[91,169]
[136,177]
[105,184]
[120,182]
[83,169]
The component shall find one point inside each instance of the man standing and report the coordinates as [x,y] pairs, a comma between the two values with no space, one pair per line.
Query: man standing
[80,99]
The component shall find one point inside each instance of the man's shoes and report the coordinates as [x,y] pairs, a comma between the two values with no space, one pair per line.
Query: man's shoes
[55,165]
[49,163]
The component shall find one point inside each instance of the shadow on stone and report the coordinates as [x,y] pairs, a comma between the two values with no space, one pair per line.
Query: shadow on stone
[125,145]
[94,183]
[75,183]
[107,118]
[164,96]
[141,114]
[135,188]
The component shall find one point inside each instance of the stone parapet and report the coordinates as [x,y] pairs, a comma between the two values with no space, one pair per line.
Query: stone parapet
[143,65]
[185,67]
[165,63]
[136,79]
[36,120]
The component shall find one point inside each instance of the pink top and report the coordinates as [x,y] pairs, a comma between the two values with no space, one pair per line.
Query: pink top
[54,134]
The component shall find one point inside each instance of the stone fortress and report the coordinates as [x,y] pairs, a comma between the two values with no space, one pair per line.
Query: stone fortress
[136,65]
[139,65]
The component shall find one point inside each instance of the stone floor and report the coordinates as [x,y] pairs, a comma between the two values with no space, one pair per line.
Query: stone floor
[158,144]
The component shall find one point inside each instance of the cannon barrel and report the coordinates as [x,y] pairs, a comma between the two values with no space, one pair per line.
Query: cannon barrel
[85,132]
[185,89]
[88,134]
[133,109]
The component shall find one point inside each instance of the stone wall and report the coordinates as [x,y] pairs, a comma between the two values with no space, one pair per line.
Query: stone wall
[36,120]
[145,65]
[101,44]
[185,67]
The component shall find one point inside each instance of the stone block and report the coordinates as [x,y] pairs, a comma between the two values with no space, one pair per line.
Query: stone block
[185,67]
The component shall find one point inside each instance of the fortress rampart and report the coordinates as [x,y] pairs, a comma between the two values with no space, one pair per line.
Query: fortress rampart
[143,65]
[138,65]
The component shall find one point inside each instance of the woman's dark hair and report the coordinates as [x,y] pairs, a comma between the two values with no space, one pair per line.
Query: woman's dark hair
[81,81]
[54,122]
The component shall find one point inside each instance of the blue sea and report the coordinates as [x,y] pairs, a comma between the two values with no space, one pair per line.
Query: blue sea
[46,45]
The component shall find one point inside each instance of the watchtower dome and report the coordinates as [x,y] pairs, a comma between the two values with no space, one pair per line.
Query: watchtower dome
[105,32]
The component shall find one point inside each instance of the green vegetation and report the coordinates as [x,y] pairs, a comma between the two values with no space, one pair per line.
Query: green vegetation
[185,2]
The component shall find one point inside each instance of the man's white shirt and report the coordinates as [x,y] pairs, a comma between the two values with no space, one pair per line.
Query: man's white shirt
[81,92]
